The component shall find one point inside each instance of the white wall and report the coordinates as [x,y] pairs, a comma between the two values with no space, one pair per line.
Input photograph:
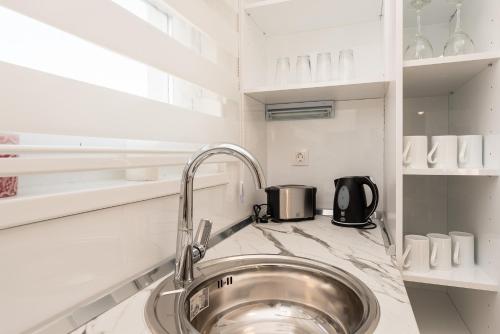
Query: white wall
[255,140]
[253,64]
[253,56]
[393,180]
[351,143]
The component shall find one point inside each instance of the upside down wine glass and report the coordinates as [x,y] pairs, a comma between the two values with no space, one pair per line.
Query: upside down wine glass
[459,43]
[420,47]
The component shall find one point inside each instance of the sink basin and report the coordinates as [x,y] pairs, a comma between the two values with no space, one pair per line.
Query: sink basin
[264,294]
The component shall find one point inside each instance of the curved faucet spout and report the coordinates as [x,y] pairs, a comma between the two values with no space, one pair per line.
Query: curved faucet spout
[184,251]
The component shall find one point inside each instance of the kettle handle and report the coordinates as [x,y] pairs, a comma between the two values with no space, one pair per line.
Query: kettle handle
[370,209]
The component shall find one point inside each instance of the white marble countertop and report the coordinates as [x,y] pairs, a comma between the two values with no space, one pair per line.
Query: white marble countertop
[360,252]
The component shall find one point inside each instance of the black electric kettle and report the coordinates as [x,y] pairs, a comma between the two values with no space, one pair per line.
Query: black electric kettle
[349,205]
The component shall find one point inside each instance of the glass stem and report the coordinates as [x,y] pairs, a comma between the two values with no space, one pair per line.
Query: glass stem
[458,26]
[419,22]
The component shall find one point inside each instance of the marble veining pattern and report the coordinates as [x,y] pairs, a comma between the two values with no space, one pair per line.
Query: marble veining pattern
[360,252]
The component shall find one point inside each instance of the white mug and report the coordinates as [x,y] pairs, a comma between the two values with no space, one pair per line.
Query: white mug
[415,151]
[416,254]
[470,151]
[463,249]
[440,251]
[443,153]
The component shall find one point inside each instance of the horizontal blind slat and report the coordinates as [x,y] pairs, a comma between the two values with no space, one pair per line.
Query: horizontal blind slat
[26,166]
[33,209]
[83,150]
[201,15]
[79,109]
[109,25]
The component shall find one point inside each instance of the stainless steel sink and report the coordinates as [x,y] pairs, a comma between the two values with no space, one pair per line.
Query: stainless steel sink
[264,294]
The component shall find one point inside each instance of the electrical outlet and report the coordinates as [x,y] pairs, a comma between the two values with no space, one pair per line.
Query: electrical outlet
[300,158]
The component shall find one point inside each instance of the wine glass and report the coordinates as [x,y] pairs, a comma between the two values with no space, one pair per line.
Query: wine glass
[459,43]
[420,47]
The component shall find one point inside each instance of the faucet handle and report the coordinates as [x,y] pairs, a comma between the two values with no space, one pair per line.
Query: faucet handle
[203,234]
[201,239]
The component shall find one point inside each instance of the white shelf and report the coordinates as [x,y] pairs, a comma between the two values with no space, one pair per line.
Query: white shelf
[276,17]
[451,172]
[435,312]
[443,75]
[335,90]
[474,278]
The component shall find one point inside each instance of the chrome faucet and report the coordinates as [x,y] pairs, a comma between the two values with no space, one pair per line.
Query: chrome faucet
[189,252]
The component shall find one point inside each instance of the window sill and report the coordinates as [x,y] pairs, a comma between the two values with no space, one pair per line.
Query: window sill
[23,210]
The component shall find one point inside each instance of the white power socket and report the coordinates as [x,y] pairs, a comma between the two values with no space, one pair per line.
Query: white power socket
[300,158]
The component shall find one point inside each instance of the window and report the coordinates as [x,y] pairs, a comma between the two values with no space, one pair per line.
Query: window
[30,43]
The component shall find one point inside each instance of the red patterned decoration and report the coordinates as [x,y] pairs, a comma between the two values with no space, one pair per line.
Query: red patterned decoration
[8,185]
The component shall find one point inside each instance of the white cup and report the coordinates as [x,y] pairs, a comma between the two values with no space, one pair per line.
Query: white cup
[346,65]
[416,254]
[470,151]
[443,153]
[324,66]
[440,251]
[415,151]
[303,69]
[463,249]
[282,74]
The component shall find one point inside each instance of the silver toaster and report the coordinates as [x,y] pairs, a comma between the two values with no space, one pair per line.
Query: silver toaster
[291,202]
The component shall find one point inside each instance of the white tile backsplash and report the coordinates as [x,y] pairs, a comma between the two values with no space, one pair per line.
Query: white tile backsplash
[351,143]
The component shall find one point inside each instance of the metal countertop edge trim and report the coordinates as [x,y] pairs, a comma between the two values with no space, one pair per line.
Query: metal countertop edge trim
[81,314]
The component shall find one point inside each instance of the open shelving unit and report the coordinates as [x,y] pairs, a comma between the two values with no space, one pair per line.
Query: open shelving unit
[452,95]
[443,75]
[334,90]
[473,278]
[292,28]
[435,312]
[452,172]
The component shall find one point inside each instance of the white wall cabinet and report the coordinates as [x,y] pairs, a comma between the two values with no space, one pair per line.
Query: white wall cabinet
[459,95]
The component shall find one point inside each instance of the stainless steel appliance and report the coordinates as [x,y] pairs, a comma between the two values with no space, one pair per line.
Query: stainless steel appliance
[291,202]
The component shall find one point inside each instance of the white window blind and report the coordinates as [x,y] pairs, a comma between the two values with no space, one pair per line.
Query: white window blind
[93,88]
